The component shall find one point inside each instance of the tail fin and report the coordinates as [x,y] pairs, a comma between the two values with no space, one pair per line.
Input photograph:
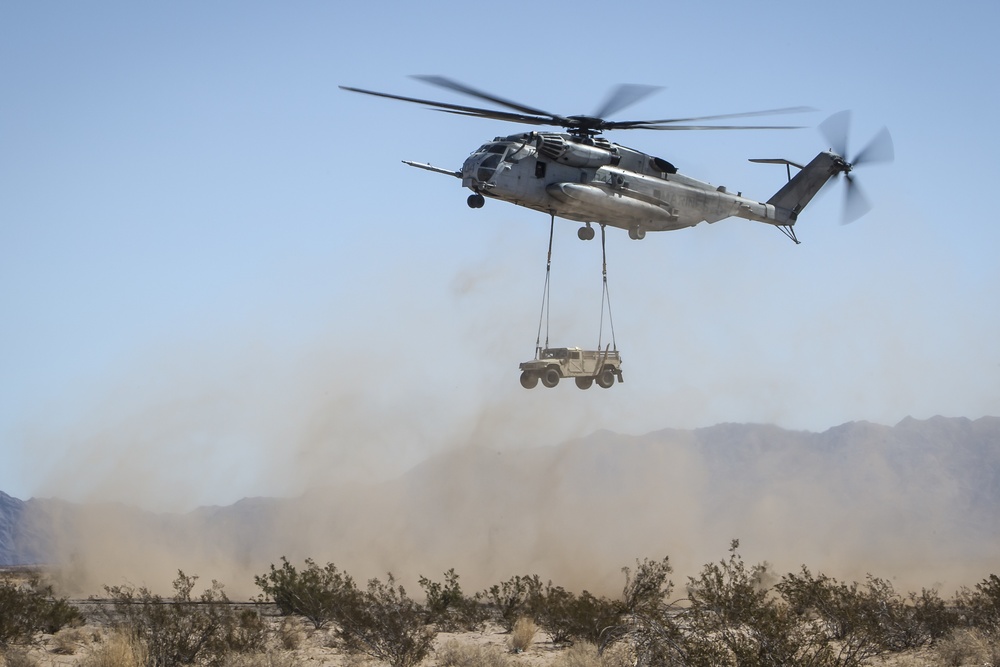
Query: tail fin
[800,189]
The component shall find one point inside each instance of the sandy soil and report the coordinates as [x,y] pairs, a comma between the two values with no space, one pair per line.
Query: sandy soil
[316,649]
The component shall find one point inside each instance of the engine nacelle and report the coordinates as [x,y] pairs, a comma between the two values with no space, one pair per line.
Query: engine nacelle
[559,149]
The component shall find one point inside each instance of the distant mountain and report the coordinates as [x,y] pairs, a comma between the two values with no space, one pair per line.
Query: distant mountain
[918,502]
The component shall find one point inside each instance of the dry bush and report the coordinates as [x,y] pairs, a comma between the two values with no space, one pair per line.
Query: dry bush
[119,650]
[290,635]
[454,654]
[968,646]
[585,654]
[522,635]
[68,640]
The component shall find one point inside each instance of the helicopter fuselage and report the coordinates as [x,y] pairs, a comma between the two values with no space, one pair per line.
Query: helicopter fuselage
[592,180]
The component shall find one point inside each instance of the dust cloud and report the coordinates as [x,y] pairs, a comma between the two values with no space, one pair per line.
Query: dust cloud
[374,455]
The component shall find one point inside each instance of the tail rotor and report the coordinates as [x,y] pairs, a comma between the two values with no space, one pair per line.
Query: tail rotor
[836,130]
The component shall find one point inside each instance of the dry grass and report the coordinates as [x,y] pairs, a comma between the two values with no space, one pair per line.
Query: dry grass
[968,647]
[68,640]
[264,659]
[454,654]
[290,634]
[118,650]
[17,658]
[523,635]
[584,654]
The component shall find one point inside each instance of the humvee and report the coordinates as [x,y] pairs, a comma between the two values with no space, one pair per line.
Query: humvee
[586,366]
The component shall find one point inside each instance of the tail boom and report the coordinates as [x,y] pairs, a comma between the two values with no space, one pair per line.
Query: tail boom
[789,201]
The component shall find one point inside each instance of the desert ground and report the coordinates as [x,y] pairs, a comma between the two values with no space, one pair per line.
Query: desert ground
[294,643]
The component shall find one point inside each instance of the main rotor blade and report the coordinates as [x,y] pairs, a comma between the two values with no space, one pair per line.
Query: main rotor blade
[502,115]
[458,108]
[616,126]
[625,95]
[629,124]
[445,82]
[879,149]
[835,129]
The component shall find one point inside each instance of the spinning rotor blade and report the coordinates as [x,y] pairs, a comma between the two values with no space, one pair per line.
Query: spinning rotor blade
[879,149]
[669,123]
[619,98]
[614,126]
[458,108]
[835,129]
[856,204]
[444,82]
[625,95]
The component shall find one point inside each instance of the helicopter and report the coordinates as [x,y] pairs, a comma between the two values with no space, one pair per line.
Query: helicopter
[581,176]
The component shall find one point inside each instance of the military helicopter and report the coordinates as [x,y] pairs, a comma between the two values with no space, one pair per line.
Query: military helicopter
[581,176]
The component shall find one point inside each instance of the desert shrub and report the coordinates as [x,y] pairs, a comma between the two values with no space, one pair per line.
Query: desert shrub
[386,624]
[30,607]
[522,635]
[454,654]
[121,649]
[318,594]
[866,620]
[185,630]
[514,598]
[646,620]
[448,608]
[980,607]
[566,617]
[732,619]
[554,613]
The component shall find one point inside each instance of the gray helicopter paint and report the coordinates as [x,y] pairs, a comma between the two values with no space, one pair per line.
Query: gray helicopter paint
[619,196]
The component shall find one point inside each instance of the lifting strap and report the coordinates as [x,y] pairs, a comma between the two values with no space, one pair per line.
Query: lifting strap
[606,296]
[544,316]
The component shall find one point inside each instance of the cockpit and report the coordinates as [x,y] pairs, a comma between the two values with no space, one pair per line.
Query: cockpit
[486,159]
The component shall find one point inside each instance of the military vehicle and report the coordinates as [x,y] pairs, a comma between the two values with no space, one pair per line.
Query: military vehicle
[551,364]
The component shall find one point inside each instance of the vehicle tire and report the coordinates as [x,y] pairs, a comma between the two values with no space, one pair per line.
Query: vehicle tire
[550,377]
[529,380]
[584,382]
[606,378]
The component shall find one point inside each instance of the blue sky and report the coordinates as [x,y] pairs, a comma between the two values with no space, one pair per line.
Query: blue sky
[217,278]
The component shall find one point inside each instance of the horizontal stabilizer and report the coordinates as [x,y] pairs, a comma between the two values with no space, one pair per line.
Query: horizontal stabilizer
[776,160]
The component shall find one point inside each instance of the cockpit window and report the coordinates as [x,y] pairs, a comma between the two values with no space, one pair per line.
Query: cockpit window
[487,168]
[496,148]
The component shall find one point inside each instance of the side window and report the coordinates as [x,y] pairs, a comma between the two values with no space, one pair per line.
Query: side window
[540,170]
